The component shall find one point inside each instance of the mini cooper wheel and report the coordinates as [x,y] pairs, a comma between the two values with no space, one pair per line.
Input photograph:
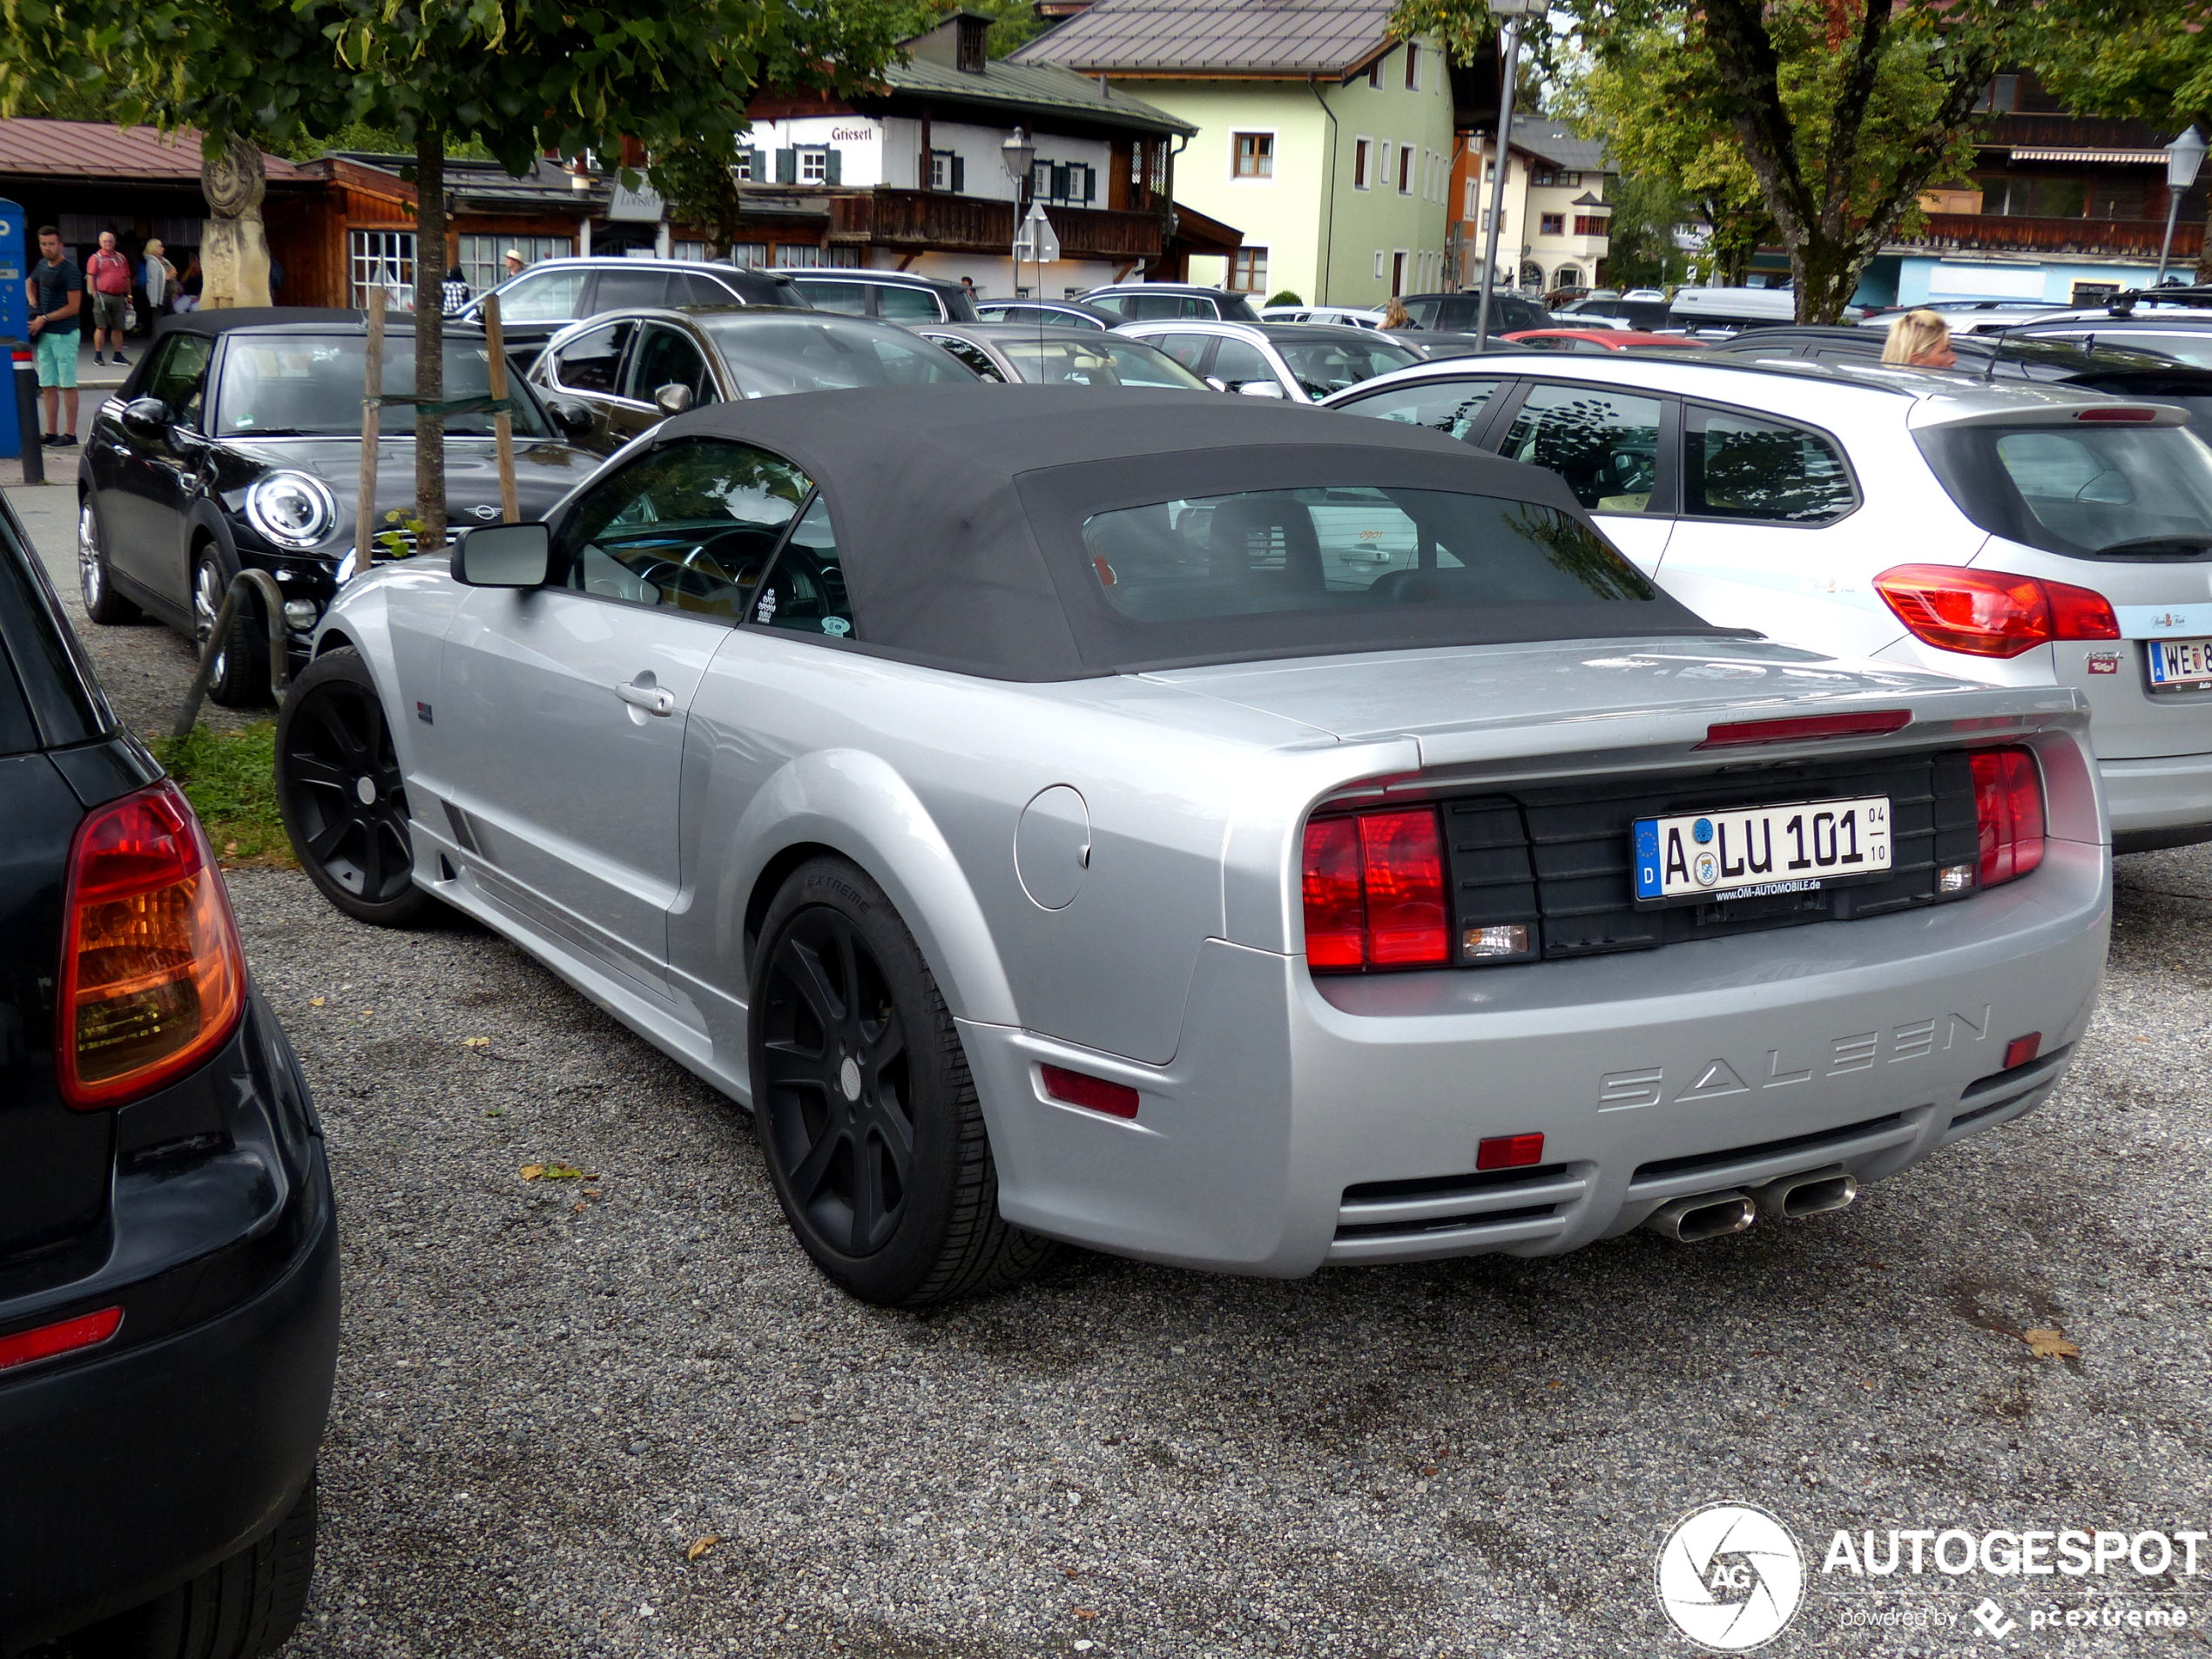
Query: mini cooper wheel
[874,1139]
[240,679]
[102,603]
[340,790]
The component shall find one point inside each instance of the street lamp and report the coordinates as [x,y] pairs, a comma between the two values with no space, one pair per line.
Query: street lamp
[1512,11]
[1019,152]
[2183,157]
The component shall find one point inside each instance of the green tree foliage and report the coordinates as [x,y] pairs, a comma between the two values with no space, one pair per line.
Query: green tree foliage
[1640,251]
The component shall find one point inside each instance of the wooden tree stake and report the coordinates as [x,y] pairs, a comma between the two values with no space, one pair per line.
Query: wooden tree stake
[502,421]
[372,424]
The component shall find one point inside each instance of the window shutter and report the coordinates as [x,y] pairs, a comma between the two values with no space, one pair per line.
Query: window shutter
[1090,184]
[1059,181]
[786,167]
[960,175]
[832,167]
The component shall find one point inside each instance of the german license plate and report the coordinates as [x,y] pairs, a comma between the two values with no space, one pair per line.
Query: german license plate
[2179,664]
[1754,851]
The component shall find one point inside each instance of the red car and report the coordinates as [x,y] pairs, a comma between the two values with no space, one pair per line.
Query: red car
[1586,340]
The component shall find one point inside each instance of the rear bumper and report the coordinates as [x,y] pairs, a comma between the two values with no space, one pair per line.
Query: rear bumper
[2166,801]
[1305,1122]
[124,1473]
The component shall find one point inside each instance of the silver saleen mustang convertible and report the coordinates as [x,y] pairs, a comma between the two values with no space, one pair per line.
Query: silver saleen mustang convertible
[1205,831]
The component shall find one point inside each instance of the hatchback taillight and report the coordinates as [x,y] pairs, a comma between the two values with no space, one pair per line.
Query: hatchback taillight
[1988,613]
[1374,885]
[153,980]
[2008,803]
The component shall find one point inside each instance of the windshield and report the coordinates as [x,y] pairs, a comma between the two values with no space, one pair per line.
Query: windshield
[278,386]
[2091,492]
[2182,345]
[1327,365]
[1347,548]
[1099,362]
[768,357]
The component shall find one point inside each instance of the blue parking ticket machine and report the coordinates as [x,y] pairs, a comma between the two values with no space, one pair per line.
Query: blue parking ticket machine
[15,310]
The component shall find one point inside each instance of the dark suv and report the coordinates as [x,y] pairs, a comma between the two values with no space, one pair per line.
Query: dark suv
[168,1259]
[1455,313]
[1170,302]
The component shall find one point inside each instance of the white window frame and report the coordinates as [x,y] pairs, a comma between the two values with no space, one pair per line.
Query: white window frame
[1374,71]
[1267,177]
[818,155]
[381,259]
[1363,163]
[1405,179]
[1380,255]
[1413,67]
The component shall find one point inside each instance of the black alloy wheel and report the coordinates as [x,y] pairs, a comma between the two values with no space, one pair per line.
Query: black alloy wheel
[240,676]
[873,1134]
[102,603]
[339,789]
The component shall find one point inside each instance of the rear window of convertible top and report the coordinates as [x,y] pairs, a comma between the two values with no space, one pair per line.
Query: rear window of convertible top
[1347,549]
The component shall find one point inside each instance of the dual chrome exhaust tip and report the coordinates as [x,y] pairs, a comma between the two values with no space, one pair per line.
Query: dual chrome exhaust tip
[1721,1215]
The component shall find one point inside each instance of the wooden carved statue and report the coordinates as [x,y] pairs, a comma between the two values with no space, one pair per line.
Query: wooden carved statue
[234,249]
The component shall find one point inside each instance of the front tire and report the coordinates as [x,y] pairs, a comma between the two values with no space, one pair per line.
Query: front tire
[240,679]
[344,801]
[873,1136]
[102,603]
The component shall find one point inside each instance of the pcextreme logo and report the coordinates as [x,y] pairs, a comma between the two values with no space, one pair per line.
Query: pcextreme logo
[1731,1576]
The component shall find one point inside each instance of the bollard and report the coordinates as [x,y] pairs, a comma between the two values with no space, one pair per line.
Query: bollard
[34,450]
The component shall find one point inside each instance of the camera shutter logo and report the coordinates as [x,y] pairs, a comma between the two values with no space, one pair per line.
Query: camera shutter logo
[1731,1576]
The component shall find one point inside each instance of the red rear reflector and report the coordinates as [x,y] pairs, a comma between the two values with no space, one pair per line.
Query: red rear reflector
[1373,889]
[2127,414]
[152,981]
[1509,1151]
[2020,1050]
[2008,803]
[1874,723]
[1989,613]
[1080,1089]
[86,1331]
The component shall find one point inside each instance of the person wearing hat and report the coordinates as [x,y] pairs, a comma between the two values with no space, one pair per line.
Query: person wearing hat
[514,261]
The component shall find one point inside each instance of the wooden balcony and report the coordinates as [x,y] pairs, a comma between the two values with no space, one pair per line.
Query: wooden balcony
[930,221]
[2020,234]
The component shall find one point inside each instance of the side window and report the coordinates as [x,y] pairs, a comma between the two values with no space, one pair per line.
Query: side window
[805,593]
[1452,406]
[620,290]
[592,362]
[908,304]
[551,296]
[1116,303]
[1423,312]
[1190,350]
[665,357]
[691,527]
[692,290]
[851,297]
[973,355]
[1737,467]
[178,378]
[1239,362]
[1604,444]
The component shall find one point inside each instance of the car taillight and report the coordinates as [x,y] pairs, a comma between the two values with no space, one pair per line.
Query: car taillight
[1988,613]
[153,980]
[1374,885]
[67,1336]
[2009,802]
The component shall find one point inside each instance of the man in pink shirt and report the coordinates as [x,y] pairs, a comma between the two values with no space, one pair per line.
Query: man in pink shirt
[107,273]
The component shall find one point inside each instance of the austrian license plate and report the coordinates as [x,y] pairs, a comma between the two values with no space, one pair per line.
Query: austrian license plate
[2179,664]
[1754,851]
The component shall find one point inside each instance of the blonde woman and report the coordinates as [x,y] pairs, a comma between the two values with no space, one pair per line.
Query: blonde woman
[1395,314]
[1920,340]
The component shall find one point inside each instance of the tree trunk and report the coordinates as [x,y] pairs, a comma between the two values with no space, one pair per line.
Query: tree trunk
[429,336]
[1826,273]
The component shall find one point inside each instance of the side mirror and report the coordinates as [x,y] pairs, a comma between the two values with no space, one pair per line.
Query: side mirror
[146,416]
[572,417]
[1259,389]
[502,555]
[1217,385]
[672,399]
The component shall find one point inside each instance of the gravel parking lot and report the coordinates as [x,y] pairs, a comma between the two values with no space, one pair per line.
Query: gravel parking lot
[621,1414]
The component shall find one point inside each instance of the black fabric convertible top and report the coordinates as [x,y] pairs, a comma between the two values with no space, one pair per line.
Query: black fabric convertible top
[958,511]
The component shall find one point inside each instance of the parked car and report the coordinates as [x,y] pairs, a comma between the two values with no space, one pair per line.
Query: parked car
[536,303]
[895,296]
[235,444]
[633,370]
[2124,371]
[2183,336]
[1718,313]
[1614,311]
[1604,340]
[1055,313]
[1301,361]
[1015,352]
[168,1249]
[1159,301]
[1343,316]
[2036,535]
[1458,312]
[1093,828]
[1965,316]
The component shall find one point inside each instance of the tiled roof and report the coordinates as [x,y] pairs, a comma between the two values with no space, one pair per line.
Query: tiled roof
[1559,146]
[1032,85]
[95,149]
[1230,37]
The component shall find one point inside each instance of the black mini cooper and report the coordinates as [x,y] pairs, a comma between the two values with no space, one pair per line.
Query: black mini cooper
[236,444]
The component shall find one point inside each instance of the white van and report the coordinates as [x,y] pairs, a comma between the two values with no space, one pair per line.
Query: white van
[1728,311]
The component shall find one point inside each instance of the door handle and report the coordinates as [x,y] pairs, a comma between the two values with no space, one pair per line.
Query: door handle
[641,694]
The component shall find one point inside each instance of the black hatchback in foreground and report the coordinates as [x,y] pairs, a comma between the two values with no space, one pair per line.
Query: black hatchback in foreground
[168,1255]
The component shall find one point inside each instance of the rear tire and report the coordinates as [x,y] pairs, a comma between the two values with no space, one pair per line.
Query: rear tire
[241,676]
[101,603]
[344,802]
[874,1137]
[240,1608]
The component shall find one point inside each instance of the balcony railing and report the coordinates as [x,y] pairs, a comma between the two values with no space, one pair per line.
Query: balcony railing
[928,219]
[2020,233]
